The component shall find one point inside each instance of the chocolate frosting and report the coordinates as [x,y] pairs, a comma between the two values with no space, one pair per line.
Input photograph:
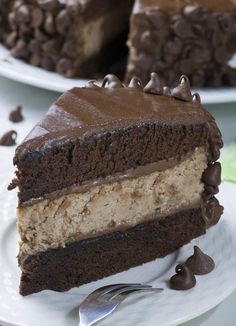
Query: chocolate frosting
[93,109]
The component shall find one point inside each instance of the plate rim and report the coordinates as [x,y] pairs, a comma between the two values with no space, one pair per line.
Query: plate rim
[208,95]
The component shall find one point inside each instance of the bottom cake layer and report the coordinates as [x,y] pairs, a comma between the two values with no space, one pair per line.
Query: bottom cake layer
[93,259]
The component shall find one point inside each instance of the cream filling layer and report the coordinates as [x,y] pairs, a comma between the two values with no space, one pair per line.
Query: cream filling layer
[112,206]
[96,33]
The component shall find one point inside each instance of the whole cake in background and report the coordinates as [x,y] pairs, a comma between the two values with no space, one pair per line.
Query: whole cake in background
[113,177]
[87,37]
[174,37]
[72,37]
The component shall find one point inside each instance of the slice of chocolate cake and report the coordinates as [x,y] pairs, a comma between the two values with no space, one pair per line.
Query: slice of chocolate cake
[67,36]
[197,38]
[114,177]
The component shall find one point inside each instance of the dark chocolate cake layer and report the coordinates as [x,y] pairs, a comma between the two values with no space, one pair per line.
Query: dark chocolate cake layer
[197,38]
[93,259]
[94,132]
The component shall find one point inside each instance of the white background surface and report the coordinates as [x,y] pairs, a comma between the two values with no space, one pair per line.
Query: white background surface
[36,103]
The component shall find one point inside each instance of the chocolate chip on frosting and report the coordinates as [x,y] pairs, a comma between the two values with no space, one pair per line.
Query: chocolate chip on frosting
[111,81]
[154,86]
[200,263]
[92,84]
[184,278]
[212,175]
[135,83]
[16,115]
[9,138]
[196,98]
[182,91]
[166,91]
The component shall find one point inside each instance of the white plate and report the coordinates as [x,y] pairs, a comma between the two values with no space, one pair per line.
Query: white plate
[169,308]
[20,71]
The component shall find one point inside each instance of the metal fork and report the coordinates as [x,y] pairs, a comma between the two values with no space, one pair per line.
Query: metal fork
[103,301]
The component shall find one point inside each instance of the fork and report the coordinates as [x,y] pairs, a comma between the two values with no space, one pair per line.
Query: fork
[103,301]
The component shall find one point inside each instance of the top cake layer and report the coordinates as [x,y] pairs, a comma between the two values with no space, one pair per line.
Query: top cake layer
[176,5]
[95,132]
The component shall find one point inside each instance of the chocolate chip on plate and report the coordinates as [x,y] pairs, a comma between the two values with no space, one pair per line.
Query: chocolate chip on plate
[184,278]
[16,115]
[9,138]
[200,263]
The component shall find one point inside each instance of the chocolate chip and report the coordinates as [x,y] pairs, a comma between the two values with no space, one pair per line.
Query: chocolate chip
[47,63]
[146,41]
[65,67]
[49,24]
[35,59]
[157,18]
[212,175]
[210,191]
[183,29]
[174,47]
[13,184]
[73,8]
[200,263]
[213,211]
[135,83]
[62,21]
[51,47]
[16,115]
[111,81]
[49,5]
[20,50]
[9,138]
[154,86]
[40,36]
[192,12]
[12,20]
[70,49]
[11,39]
[182,91]
[37,17]
[35,45]
[92,84]
[23,15]
[196,98]
[166,91]
[184,278]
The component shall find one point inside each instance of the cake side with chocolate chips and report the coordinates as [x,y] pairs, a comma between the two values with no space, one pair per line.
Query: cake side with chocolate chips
[69,37]
[197,38]
[122,175]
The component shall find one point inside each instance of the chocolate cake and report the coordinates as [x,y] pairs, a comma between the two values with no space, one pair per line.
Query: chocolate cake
[71,37]
[197,38]
[114,176]
[87,37]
